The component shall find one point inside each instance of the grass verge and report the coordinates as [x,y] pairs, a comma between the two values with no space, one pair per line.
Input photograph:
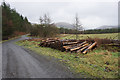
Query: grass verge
[10,39]
[98,63]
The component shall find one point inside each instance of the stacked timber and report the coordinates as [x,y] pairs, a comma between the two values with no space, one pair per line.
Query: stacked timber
[79,46]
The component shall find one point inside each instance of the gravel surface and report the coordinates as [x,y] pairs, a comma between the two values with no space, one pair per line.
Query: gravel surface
[18,62]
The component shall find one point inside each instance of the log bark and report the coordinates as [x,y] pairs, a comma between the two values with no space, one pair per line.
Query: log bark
[90,47]
[73,46]
[76,48]
[83,48]
[69,43]
[66,47]
[82,43]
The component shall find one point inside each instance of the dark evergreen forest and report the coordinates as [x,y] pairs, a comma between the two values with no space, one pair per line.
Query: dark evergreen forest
[13,23]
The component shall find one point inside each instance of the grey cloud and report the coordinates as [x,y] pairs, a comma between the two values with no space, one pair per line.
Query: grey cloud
[92,14]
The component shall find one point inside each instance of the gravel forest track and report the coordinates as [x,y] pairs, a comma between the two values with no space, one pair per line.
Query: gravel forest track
[18,62]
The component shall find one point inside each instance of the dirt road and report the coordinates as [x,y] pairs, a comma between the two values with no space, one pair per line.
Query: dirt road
[18,62]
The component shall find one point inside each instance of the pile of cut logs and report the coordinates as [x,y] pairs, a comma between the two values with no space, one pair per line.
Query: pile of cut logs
[79,46]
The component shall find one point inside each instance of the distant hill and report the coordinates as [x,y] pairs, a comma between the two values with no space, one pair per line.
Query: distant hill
[106,27]
[64,25]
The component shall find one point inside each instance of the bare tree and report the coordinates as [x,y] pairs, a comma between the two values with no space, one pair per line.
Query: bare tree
[77,25]
[45,20]
[41,20]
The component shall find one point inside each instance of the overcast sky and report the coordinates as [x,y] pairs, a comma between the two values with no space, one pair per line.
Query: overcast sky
[92,13]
